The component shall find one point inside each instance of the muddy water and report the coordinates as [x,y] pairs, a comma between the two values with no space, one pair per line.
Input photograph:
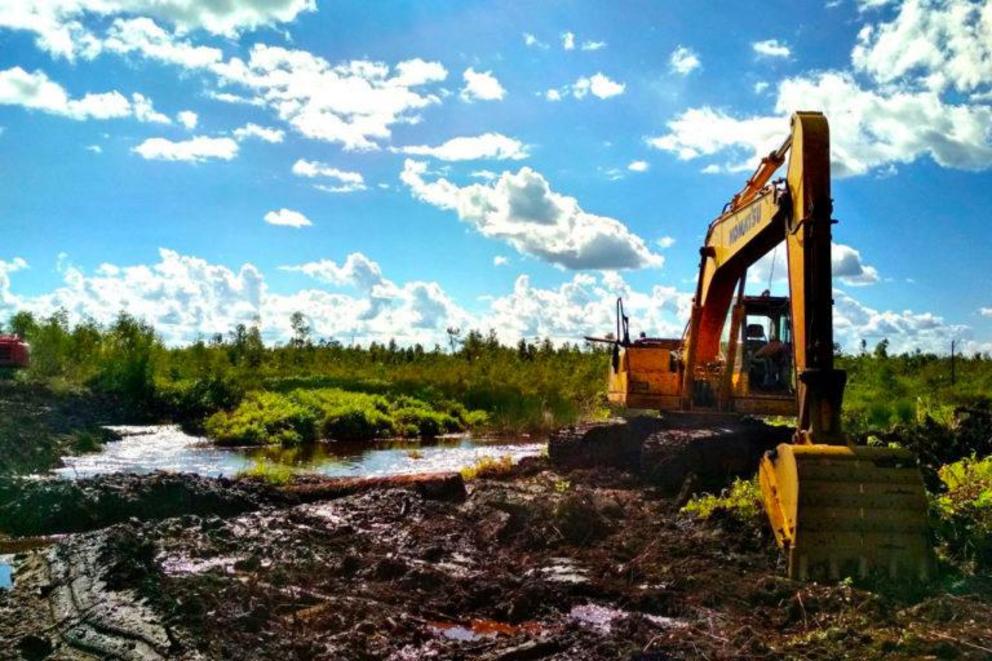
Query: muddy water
[166,447]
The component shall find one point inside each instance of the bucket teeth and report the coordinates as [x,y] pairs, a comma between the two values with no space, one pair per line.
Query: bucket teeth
[841,511]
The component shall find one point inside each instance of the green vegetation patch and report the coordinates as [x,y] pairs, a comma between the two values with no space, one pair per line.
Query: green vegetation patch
[741,501]
[302,416]
[964,511]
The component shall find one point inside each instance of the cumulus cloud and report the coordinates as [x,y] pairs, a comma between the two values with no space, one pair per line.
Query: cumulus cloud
[494,146]
[145,37]
[665,242]
[638,166]
[287,218]
[935,44]
[263,133]
[533,42]
[552,95]
[354,103]
[482,86]
[846,264]
[186,298]
[188,118]
[771,48]
[598,85]
[197,149]
[36,91]
[344,181]
[59,29]
[568,40]
[593,45]
[985,312]
[500,260]
[869,129]
[684,61]
[522,210]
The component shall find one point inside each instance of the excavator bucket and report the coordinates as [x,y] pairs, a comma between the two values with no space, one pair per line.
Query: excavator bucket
[847,511]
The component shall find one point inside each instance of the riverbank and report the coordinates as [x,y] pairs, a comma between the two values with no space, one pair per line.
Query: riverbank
[539,563]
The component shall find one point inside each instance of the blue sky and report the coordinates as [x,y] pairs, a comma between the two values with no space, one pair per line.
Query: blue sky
[593,142]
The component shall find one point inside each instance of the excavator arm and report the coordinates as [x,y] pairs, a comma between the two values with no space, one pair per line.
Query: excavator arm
[835,509]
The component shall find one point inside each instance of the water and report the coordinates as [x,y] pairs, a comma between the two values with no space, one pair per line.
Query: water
[165,447]
[6,572]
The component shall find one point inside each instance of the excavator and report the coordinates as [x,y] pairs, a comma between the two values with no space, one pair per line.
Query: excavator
[836,509]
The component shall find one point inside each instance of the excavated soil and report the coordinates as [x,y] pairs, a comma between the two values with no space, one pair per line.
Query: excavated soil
[541,563]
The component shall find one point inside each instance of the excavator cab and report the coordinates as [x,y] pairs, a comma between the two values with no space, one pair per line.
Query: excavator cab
[766,347]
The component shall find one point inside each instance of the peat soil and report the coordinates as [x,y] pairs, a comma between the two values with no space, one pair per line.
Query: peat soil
[540,562]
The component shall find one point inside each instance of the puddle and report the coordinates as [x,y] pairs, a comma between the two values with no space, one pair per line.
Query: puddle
[6,572]
[601,618]
[166,448]
[477,629]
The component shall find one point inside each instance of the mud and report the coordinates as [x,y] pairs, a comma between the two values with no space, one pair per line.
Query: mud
[542,563]
[679,452]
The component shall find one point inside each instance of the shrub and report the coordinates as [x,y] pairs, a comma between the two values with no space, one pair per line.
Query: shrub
[741,501]
[261,418]
[964,511]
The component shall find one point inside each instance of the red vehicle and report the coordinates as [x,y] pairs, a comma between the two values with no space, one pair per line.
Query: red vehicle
[14,352]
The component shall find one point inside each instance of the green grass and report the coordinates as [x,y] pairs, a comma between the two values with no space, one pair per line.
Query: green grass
[963,511]
[269,471]
[488,467]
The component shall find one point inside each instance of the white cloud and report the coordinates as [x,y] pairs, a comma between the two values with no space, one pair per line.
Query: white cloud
[143,36]
[186,297]
[552,95]
[500,260]
[188,118]
[683,61]
[482,86]
[760,86]
[197,149]
[532,41]
[771,48]
[36,91]
[665,242]
[593,45]
[985,312]
[568,41]
[354,103]
[935,44]
[59,28]
[869,129]
[598,85]
[846,264]
[227,97]
[584,305]
[287,218]
[345,181]
[638,166]
[263,133]
[494,146]
[96,149]
[522,210]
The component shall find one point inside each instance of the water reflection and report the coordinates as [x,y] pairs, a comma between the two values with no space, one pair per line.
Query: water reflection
[6,572]
[147,449]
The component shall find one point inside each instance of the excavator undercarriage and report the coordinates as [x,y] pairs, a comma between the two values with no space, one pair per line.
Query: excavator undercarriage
[836,509]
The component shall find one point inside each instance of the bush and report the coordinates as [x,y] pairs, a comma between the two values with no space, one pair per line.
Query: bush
[964,511]
[268,471]
[741,501]
[261,418]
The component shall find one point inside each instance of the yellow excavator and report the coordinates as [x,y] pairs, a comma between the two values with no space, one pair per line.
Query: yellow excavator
[836,509]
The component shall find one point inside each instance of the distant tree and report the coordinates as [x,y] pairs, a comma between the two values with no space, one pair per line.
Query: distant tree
[301,330]
[454,337]
[882,349]
[23,323]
